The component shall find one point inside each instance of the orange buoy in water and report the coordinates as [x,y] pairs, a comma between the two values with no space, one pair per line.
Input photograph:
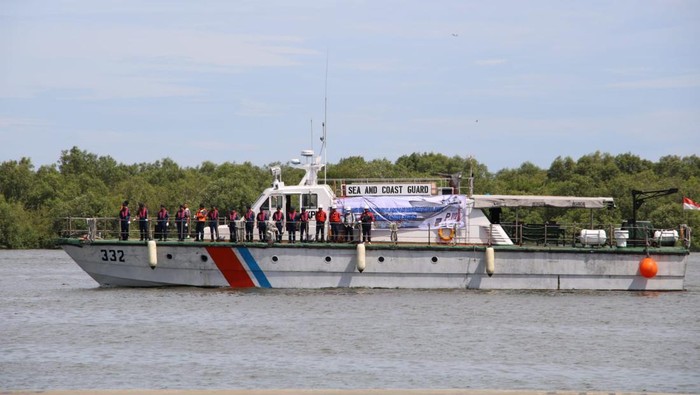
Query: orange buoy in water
[648,267]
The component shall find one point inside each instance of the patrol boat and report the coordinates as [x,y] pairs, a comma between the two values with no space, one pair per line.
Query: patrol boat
[425,235]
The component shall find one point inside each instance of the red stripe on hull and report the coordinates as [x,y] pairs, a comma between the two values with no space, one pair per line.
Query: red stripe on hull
[231,267]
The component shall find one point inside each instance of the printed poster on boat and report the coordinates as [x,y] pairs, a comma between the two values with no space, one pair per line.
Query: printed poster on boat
[417,212]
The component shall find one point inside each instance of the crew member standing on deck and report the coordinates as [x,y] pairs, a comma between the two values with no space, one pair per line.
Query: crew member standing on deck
[249,224]
[262,225]
[201,217]
[143,222]
[233,225]
[188,221]
[124,218]
[292,224]
[180,223]
[334,219]
[278,217]
[303,225]
[320,223]
[349,223]
[367,218]
[213,217]
[162,224]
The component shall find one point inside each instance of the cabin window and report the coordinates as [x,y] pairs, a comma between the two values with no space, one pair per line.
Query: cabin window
[276,201]
[293,201]
[309,200]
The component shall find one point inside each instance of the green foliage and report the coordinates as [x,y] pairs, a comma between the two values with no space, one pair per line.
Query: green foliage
[83,184]
[16,179]
[16,226]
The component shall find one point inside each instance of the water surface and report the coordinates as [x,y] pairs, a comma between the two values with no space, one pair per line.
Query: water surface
[60,330]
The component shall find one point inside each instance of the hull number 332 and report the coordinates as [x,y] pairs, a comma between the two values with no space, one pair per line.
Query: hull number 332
[112,255]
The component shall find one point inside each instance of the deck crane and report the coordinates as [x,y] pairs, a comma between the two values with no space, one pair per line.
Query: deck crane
[639,197]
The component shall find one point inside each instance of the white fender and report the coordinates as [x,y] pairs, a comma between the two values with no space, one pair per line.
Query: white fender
[490,261]
[361,257]
[152,254]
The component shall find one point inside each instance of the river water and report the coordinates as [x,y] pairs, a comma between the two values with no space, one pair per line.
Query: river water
[59,330]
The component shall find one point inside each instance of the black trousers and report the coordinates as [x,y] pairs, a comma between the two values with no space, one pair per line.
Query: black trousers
[304,229]
[180,230]
[143,229]
[262,231]
[200,231]
[124,229]
[367,232]
[161,230]
[249,231]
[320,228]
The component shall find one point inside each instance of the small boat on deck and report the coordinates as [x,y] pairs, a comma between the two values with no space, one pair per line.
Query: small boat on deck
[424,236]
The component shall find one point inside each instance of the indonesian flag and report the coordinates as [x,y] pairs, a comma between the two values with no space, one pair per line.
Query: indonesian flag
[690,205]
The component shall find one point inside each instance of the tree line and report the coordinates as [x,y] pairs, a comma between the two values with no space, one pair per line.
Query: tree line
[33,201]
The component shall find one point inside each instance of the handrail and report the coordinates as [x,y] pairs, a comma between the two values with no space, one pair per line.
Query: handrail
[522,234]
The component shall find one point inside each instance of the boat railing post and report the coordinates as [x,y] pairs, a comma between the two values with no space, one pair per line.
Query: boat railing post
[91,228]
[429,233]
[646,239]
[685,233]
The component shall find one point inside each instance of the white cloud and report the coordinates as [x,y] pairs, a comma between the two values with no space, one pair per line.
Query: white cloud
[253,108]
[123,62]
[489,62]
[672,82]
[15,123]
[542,77]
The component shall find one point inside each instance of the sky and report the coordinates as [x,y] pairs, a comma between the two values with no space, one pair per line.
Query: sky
[505,82]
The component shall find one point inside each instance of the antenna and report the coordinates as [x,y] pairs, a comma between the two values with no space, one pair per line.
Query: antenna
[325,120]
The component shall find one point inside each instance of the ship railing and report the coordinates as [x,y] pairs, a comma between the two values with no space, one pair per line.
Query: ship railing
[523,234]
[89,228]
[579,234]
[94,228]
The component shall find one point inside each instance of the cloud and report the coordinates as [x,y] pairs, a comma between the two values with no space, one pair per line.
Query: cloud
[489,62]
[79,61]
[20,123]
[372,66]
[672,82]
[253,108]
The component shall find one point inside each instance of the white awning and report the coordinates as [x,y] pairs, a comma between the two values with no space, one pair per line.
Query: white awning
[490,201]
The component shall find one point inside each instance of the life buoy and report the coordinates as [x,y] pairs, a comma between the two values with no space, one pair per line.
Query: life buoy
[444,237]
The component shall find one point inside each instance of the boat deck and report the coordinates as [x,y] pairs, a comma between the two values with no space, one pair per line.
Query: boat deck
[603,249]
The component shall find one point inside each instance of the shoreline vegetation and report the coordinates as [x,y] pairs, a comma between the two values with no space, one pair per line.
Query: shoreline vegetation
[34,201]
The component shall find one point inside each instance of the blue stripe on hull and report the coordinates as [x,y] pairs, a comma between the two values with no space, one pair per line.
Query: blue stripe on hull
[254,268]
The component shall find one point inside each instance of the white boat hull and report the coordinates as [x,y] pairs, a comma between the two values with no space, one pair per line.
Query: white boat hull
[117,263]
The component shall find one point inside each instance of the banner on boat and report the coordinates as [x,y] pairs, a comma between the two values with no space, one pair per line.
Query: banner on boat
[417,212]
